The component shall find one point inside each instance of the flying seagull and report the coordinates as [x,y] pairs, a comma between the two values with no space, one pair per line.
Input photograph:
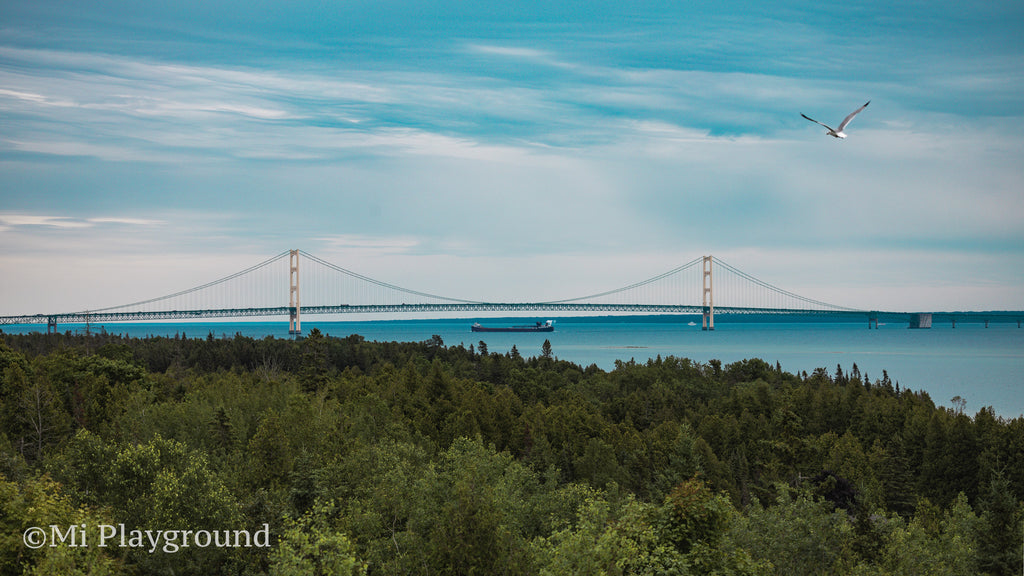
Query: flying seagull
[838,132]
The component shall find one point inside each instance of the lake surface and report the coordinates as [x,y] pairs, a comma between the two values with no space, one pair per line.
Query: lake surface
[984,366]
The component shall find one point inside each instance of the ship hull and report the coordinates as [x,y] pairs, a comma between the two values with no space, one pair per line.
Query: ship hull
[535,328]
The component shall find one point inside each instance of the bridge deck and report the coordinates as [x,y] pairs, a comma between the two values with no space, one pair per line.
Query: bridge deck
[87,317]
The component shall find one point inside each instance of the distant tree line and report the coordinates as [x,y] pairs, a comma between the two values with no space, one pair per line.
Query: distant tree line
[422,458]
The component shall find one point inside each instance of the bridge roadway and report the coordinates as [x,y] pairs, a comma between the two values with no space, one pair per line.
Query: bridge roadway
[51,320]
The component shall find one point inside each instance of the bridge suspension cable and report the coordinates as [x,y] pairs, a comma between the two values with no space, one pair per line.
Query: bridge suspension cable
[194,290]
[636,285]
[780,291]
[384,284]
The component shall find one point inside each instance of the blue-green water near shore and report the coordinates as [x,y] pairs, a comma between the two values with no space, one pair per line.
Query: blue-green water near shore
[984,366]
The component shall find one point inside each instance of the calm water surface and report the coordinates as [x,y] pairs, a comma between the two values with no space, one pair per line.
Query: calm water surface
[984,366]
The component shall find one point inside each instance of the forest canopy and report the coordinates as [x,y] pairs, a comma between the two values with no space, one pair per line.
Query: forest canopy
[420,458]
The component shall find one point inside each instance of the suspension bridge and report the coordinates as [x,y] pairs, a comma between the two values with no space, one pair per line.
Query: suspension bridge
[704,286]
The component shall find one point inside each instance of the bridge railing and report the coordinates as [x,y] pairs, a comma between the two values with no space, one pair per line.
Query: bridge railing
[262,290]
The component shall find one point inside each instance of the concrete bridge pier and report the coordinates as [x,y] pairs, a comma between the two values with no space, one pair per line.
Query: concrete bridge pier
[921,320]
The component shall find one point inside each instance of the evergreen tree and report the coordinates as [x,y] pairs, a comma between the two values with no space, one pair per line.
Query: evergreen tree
[839,378]
[999,529]
[897,480]
[220,429]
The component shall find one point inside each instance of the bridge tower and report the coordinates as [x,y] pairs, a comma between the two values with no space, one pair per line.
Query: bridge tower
[294,321]
[709,297]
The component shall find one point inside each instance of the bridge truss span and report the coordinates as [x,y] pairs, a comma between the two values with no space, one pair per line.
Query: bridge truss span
[704,285]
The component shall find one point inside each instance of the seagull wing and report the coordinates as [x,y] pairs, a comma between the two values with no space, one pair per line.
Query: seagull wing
[852,114]
[816,122]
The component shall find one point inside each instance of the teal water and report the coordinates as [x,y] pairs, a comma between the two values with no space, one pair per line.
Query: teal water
[984,366]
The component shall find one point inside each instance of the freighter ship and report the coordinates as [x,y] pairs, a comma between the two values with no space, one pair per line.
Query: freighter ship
[548,326]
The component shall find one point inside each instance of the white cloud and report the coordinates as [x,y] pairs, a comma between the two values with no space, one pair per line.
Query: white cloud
[510,51]
[34,98]
[128,221]
[13,220]
[368,244]
[109,152]
[531,55]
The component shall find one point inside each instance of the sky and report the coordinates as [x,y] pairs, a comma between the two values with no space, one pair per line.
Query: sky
[517,151]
